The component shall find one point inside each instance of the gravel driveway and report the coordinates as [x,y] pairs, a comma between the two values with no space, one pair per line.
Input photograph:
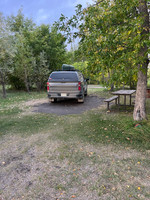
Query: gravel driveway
[70,106]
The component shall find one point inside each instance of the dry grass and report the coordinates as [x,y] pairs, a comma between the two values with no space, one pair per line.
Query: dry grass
[41,167]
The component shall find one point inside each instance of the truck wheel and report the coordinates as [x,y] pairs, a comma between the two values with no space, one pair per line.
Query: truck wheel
[81,100]
[53,100]
[85,94]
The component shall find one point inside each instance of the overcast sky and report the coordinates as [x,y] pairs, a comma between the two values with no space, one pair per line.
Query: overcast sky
[41,11]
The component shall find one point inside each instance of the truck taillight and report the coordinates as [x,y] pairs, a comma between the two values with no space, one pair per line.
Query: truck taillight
[47,86]
[79,86]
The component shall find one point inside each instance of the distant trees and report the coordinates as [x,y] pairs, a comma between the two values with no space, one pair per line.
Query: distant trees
[30,51]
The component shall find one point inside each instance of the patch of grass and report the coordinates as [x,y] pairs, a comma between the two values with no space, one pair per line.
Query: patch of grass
[71,153]
[93,126]
[10,112]
[102,92]
[109,128]
[94,155]
[14,97]
[27,125]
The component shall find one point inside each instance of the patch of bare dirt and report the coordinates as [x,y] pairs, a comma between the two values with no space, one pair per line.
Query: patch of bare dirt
[35,102]
[41,167]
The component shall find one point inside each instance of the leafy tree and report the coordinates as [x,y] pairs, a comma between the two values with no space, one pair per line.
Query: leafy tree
[41,71]
[24,61]
[114,36]
[149,77]
[41,49]
[20,23]
[140,101]
[57,51]
[83,67]
[47,39]
[7,51]
[48,50]
[21,28]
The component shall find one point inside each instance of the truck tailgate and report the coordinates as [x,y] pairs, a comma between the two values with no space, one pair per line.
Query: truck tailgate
[61,87]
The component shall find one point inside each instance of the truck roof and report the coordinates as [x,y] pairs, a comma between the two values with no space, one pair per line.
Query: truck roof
[65,71]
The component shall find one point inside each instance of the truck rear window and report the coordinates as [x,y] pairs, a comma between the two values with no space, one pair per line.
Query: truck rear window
[63,77]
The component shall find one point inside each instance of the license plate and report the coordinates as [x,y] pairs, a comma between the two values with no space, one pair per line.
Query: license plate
[63,94]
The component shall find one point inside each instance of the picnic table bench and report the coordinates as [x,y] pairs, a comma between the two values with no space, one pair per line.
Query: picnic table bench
[111,99]
[119,93]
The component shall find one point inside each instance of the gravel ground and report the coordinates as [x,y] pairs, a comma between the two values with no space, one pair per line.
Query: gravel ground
[71,106]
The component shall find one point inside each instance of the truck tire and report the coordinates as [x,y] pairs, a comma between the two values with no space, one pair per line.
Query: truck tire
[53,100]
[81,100]
[85,94]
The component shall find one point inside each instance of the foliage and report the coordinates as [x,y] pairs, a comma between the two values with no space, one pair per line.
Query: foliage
[23,61]
[47,39]
[7,52]
[148,76]
[19,23]
[39,50]
[110,33]
[83,67]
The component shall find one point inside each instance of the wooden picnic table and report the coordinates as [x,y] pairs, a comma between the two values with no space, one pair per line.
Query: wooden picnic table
[124,93]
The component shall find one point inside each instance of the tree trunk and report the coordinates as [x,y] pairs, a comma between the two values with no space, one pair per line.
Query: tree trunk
[112,87]
[140,100]
[3,84]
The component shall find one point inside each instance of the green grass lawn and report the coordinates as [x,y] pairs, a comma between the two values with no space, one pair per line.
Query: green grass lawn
[94,155]
[91,126]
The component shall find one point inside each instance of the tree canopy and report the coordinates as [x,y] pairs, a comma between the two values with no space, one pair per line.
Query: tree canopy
[38,51]
[110,37]
[115,39]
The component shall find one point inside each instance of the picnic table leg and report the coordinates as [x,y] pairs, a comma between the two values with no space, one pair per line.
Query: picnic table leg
[107,106]
[130,99]
[118,99]
[125,101]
